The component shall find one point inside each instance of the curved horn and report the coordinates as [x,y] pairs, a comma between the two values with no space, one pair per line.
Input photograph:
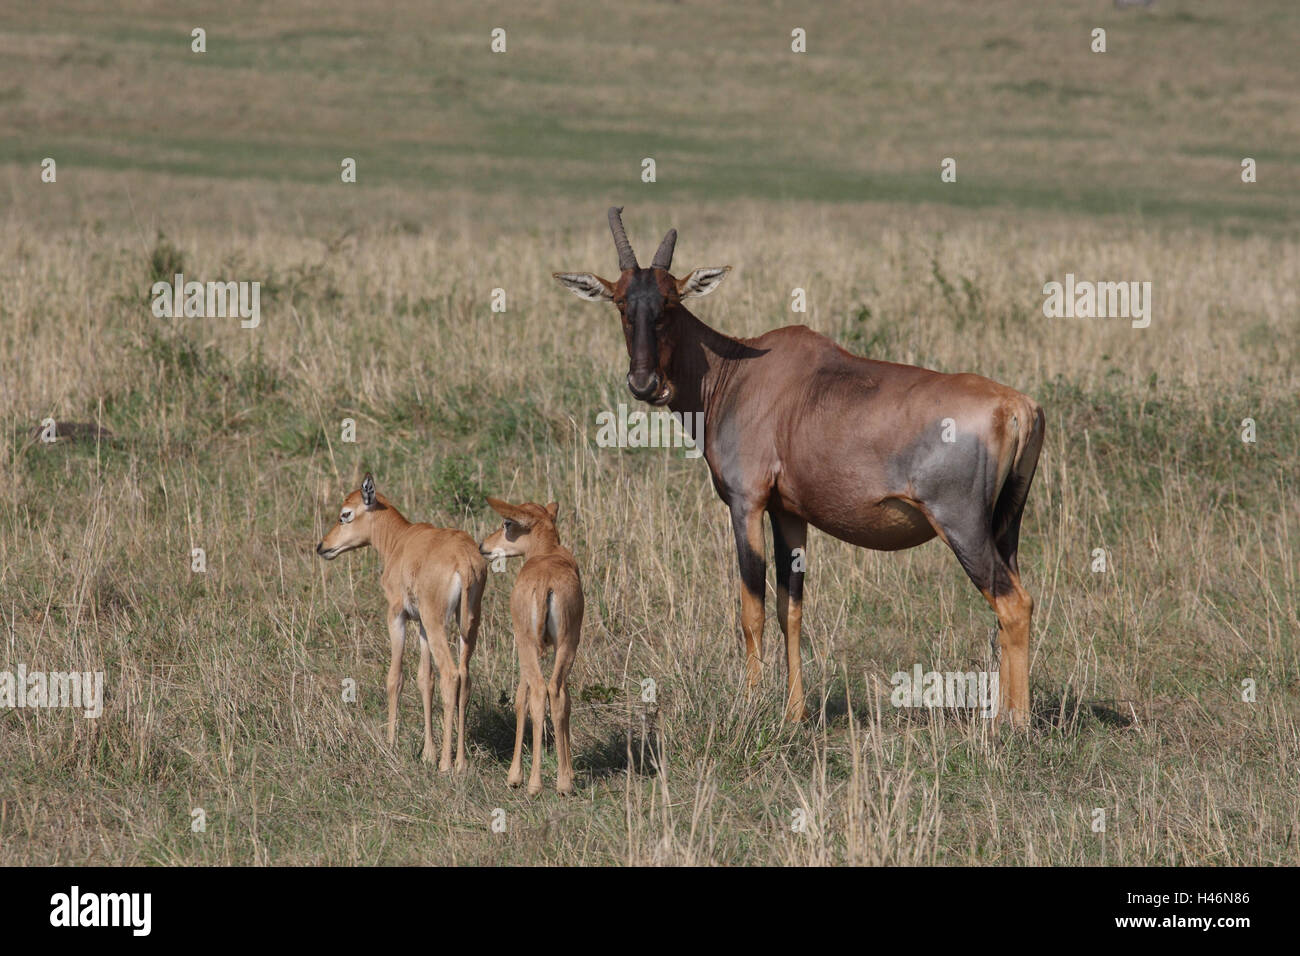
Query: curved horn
[664,257]
[626,257]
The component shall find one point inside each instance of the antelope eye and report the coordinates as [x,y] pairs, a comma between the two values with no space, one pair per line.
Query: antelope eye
[345,517]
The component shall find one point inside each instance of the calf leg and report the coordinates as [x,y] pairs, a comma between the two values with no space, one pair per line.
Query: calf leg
[533,683]
[468,638]
[516,775]
[447,678]
[558,691]
[790,534]
[393,685]
[425,681]
[537,711]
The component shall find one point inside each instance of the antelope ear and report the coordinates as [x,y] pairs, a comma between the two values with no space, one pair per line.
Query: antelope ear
[586,286]
[368,491]
[553,509]
[503,508]
[701,281]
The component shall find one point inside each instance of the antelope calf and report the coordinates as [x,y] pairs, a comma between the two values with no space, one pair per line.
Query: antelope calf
[546,607]
[880,455]
[431,576]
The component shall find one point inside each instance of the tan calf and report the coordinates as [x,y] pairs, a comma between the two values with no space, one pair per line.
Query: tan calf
[546,607]
[431,576]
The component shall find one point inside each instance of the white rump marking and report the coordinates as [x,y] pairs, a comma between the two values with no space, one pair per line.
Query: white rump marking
[453,601]
[552,628]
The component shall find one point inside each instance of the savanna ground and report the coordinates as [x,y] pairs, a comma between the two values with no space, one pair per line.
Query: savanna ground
[479,171]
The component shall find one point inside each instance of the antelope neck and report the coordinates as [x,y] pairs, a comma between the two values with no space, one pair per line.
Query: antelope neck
[389,525]
[545,541]
[703,363]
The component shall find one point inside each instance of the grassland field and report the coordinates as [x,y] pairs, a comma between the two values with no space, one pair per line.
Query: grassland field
[479,171]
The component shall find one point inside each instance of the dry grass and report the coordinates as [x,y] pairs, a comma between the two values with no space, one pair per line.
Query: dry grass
[224,688]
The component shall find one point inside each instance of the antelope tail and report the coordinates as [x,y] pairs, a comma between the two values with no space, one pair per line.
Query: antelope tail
[1029,441]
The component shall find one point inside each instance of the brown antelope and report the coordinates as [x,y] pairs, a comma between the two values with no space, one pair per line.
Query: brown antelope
[431,576]
[546,608]
[881,455]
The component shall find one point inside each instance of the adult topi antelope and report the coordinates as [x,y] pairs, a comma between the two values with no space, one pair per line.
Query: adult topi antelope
[881,455]
[546,608]
[432,576]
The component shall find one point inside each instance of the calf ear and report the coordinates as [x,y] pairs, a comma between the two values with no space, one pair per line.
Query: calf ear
[701,281]
[503,508]
[553,509]
[586,286]
[368,491]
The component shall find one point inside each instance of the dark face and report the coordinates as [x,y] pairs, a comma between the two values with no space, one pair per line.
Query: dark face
[645,300]
[649,304]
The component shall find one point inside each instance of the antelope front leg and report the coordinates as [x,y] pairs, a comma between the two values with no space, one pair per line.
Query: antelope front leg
[790,535]
[393,685]
[747,523]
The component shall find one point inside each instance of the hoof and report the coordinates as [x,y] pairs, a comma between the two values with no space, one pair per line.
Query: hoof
[534,788]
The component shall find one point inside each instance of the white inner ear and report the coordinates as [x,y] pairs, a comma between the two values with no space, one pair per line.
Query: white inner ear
[703,281]
[585,286]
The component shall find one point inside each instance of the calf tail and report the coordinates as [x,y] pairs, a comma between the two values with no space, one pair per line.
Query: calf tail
[474,576]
